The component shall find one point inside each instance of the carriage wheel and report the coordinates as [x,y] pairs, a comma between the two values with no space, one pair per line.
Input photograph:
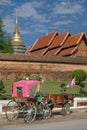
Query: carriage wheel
[63,111]
[12,110]
[31,112]
[47,112]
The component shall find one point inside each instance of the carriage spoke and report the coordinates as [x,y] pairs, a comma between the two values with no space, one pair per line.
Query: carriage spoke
[12,110]
[31,109]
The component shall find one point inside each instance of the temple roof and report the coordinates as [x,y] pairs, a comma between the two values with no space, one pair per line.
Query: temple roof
[73,40]
[40,51]
[68,52]
[55,44]
[59,40]
[28,50]
[44,41]
[53,52]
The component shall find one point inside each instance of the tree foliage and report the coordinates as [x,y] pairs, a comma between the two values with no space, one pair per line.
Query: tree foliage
[2,88]
[80,75]
[1,34]
[5,40]
[63,88]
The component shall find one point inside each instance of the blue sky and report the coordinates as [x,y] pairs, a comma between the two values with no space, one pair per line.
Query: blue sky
[36,18]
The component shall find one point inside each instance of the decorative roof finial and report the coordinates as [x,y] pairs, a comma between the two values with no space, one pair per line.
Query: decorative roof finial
[16,28]
[46,32]
[16,16]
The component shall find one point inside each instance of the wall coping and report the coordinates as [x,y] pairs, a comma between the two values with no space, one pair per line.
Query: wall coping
[42,59]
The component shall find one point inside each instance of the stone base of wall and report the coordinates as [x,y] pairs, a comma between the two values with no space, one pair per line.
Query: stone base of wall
[53,76]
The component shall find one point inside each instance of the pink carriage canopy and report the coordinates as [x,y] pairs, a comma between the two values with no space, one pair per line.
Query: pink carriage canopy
[25,86]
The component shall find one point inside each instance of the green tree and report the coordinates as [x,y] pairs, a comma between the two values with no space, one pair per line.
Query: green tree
[2,88]
[5,40]
[1,34]
[7,46]
[80,76]
[63,88]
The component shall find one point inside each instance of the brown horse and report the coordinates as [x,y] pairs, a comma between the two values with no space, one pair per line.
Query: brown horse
[61,101]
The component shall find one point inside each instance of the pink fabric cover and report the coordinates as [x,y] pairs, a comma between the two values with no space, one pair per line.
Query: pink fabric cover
[25,85]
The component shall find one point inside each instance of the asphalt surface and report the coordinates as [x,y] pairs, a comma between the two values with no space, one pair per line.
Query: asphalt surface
[57,117]
[78,124]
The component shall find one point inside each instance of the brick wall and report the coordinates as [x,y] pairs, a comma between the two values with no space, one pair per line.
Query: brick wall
[57,68]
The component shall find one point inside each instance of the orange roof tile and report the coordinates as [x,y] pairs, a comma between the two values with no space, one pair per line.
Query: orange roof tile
[68,51]
[39,52]
[44,41]
[53,52]
[55,44]
[28,50]
[59,40]
[73,40]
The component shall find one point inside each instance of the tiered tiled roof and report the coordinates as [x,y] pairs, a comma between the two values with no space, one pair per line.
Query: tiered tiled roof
[55,47]
[73,40]
[59,40]
[42,43]
[68,52]
[71,45]
[28,50]
[55,44]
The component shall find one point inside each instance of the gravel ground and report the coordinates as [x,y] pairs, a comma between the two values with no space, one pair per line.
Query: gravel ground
[57,117]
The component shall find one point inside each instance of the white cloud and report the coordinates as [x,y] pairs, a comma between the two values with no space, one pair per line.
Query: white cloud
[9,24]
[6,2]
[31,10]
[63,22]
[40,17]
[69,7]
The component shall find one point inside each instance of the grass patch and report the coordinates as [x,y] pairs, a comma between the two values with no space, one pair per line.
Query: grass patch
[54,88]
[8,86]
[51,87]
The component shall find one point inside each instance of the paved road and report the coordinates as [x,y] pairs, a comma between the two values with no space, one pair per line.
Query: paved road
[57,118]
[79,124]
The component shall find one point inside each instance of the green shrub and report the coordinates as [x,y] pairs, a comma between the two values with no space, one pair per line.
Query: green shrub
[80,76]
[5,97]
[63,88]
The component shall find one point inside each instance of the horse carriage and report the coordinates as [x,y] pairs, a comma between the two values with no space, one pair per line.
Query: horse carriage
[28,102]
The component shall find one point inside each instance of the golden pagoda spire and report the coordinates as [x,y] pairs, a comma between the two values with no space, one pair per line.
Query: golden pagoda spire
[16,37]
